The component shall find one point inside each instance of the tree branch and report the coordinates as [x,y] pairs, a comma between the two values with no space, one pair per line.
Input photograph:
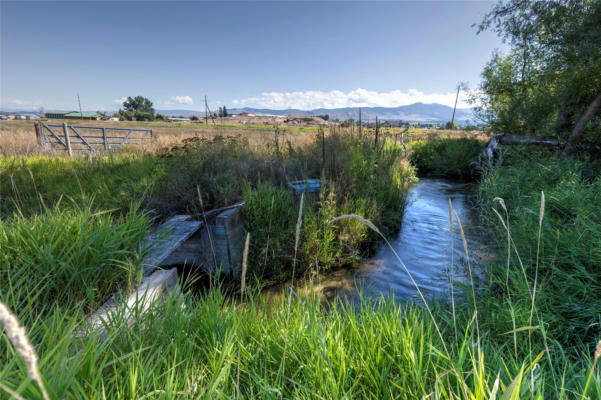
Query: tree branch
[590,112]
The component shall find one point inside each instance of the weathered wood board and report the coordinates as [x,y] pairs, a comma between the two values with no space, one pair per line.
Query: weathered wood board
[166,239]
[153,289]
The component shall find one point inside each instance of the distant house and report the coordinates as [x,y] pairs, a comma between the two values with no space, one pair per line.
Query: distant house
[57,114]
[176,119]
[29,116]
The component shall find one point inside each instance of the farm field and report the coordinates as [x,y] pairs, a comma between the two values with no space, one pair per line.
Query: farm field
[18,137]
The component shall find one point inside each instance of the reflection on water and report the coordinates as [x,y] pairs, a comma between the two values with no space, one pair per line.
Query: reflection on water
[424,244]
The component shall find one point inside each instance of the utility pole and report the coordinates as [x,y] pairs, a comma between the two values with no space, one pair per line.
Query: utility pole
[206,111]
[455,108]
[80,112]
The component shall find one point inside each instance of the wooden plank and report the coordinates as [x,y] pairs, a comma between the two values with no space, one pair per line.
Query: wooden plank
[153,290]
[168,237]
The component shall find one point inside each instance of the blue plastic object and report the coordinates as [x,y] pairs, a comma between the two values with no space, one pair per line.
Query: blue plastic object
[305,186]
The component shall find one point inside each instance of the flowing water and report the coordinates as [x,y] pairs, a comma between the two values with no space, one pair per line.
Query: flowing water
[426,246]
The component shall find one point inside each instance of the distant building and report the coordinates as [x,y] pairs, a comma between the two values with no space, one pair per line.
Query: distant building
[73,115]
[176,119]
[77,115]
[28,116]
[57,114]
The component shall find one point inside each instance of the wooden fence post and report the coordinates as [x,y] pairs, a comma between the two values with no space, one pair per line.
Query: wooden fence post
[67,139]
[377,131]
[106,143]
[38,134]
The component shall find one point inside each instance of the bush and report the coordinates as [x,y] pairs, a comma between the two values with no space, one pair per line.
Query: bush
[445,157]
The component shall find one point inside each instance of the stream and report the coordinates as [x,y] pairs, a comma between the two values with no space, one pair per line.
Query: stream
[425,245]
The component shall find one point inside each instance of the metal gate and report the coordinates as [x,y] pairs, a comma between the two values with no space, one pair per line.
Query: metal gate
[71,138]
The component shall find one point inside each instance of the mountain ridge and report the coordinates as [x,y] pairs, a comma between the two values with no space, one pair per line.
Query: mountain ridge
[415,113]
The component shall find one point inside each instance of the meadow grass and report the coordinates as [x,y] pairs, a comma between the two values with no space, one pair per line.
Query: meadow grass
[530,333]
[445,157]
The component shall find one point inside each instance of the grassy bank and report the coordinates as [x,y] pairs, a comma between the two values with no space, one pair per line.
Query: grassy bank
[206,173]
[450,157]
[530,333]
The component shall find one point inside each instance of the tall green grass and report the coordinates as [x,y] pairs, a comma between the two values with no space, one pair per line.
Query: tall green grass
[114,182]
[68,257]
[565,262]
[445,157]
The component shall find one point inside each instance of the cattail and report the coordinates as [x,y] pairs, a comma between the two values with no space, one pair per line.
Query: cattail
[451,215]
[244,264]
[357,217]
[17,337]
[501,201]
[299,223]
[541,212]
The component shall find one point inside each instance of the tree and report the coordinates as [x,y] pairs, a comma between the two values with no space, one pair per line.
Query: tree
[550,81]
[193,118]
[160,117]
[225,114]
[138,108]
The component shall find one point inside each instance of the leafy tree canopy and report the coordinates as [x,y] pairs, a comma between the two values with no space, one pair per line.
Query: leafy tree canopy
[551,78]
[138,108]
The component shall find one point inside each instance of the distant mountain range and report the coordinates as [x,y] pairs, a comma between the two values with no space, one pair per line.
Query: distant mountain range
[417,113]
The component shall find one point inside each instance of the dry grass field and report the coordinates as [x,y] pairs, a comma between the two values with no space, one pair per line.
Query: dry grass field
[18,137]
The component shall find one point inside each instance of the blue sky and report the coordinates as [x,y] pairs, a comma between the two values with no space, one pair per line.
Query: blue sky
[263,54]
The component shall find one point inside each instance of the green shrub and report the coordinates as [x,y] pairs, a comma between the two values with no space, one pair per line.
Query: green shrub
[445,157]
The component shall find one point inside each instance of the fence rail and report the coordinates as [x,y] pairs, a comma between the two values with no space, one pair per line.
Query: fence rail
[71,138]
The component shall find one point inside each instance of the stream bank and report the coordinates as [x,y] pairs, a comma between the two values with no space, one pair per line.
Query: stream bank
[432,254]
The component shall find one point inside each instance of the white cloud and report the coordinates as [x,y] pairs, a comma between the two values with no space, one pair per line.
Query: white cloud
[16,103]
[312,99]
[120,101]
[180,100]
